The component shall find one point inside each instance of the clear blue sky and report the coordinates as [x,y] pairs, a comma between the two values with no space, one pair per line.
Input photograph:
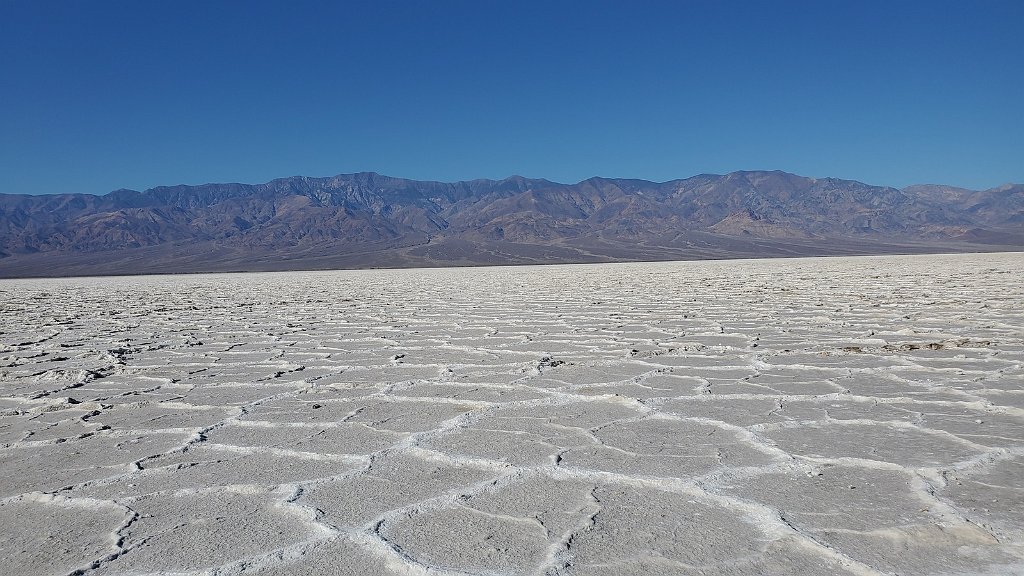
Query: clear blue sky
[99,95]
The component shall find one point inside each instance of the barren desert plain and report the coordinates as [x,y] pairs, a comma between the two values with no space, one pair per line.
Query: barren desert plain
[860,415]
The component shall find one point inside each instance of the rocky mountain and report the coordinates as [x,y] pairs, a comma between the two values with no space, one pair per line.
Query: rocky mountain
[370,220]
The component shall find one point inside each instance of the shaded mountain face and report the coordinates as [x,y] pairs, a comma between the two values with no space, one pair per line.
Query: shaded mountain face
[366,219]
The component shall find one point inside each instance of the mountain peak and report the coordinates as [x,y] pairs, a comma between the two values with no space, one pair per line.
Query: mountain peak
[370,219]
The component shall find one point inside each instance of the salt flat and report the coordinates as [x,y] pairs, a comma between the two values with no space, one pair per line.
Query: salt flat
[811,416]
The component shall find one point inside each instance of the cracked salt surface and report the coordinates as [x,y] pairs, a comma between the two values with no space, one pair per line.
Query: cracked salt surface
[812,416]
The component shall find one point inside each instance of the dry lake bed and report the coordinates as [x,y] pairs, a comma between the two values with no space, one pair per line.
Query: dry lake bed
[805,416]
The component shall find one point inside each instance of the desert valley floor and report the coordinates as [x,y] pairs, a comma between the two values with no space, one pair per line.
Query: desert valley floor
[804,416]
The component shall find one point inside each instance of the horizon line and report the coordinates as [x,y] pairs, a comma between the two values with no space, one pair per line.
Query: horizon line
[513,176]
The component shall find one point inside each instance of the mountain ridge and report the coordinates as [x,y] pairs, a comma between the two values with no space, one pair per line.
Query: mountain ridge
[367,219]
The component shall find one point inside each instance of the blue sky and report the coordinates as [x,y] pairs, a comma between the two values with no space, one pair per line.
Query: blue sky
[96,96]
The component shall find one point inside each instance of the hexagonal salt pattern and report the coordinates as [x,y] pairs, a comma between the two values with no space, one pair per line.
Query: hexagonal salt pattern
[806,416]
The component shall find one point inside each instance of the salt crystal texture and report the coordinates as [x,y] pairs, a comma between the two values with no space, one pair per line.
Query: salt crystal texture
[859,415]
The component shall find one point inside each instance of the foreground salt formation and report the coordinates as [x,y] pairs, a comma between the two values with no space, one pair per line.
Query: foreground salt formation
[813,416]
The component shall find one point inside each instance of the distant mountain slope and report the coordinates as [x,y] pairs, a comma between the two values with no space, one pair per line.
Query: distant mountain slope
[366,219]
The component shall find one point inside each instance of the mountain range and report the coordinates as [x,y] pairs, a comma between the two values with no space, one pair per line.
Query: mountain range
[369,220]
